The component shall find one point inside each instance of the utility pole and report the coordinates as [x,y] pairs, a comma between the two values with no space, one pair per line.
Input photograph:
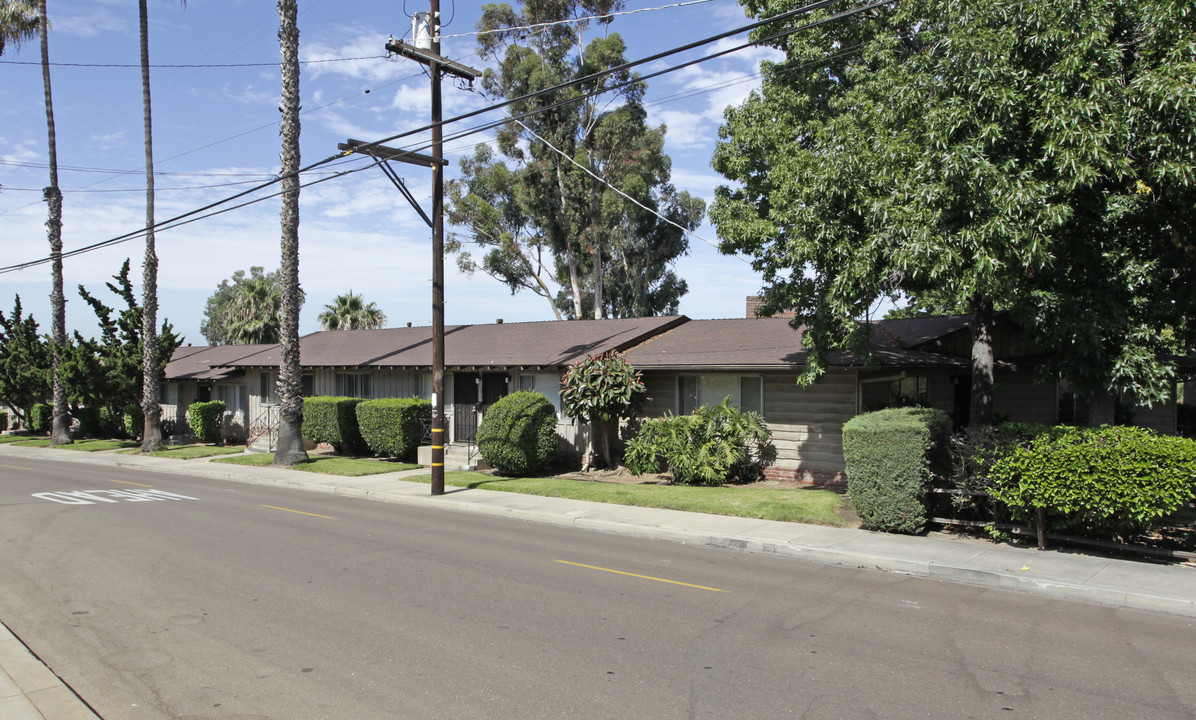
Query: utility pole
[426,49]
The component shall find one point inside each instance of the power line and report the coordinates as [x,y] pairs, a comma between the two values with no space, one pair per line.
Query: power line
[192,66]
[783,16]
[539,26]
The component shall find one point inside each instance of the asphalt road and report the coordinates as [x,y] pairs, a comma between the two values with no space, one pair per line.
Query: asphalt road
[158,596]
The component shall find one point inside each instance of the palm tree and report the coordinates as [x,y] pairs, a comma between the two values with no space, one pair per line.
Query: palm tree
[253,313]
[350,312]
[60,429]
[290,378]
[18,22]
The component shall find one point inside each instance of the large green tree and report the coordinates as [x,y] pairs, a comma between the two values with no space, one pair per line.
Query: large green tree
[579,202]
[244,309]
[107,371]
[1040,156]
[24,362]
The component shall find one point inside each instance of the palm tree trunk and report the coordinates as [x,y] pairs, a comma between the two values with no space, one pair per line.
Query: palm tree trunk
[151,434]
[290,379]
[60,430]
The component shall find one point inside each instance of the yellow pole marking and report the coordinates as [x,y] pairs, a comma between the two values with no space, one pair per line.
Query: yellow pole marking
[437,429]
[126,482]
[300,512]
[643,577]
[16,467]
[437,464]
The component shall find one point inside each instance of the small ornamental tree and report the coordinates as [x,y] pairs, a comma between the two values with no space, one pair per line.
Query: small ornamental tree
[602,390]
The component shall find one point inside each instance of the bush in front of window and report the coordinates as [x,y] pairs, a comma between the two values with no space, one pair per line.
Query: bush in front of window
[40,417]
[206,419]
[393,427]
[890,458]
[89,422]
[518,434]
[710,446]
[333,420]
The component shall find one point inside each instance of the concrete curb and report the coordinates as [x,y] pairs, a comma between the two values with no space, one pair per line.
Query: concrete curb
[31,691]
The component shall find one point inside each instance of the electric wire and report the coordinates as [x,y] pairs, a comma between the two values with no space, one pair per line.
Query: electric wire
[363,149]
[604,16]
[188,66]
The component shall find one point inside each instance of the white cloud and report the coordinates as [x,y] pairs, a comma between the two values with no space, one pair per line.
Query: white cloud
[108,141]
[93,22]
[686,130]
[23,152]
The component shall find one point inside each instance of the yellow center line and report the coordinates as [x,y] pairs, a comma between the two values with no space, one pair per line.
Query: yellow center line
[644,577]
[300,512]
[16,467]
[126,482]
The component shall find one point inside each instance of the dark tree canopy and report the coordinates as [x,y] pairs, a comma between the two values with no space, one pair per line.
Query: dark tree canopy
[979,154]
[24,361]
[244,309]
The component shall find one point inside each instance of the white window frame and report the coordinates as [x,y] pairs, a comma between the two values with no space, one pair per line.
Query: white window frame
[342,382]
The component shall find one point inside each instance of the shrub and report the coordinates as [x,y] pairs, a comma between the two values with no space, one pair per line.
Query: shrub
[206,420]
[112,423]
[41,416]
[890,457]
[333,420]
[602,390]
[710,446]
[133,420]
[89,422]
[518,433]
[393,426]
[3,421]
[1106,482]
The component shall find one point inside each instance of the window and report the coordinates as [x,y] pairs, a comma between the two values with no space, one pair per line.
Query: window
[170,393]
[267,391]
[880,393]
[309,385]
[527,382]
[745,391]
[356,385]
[233,397]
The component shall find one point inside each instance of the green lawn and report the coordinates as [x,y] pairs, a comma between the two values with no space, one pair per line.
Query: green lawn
[817,507]
[191,452]
[348,467]
[36,442]
[15,438]
[99,445]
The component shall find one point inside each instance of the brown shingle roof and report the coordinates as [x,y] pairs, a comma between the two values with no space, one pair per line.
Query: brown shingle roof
[206,362]
[763,342]
[533,344]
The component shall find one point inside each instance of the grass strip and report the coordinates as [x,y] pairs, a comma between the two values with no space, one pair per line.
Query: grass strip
[192,452]
[99,445]
[346,467]
[816,507]
[16,438]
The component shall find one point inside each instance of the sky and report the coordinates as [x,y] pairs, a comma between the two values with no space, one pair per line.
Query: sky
[216,134]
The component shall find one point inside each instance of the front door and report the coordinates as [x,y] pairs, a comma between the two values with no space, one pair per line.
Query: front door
[472,394]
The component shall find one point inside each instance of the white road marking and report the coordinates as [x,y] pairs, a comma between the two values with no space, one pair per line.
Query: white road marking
[91,497]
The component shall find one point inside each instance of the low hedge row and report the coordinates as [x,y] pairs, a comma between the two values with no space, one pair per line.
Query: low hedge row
[393,427]
[41,416]
[1111,482]
[206,419]
[890,457]
[333,420]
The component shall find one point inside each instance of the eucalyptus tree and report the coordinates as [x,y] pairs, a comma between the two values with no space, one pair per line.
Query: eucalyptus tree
[1039,156]
[588,174]
[290,377]
[351,312]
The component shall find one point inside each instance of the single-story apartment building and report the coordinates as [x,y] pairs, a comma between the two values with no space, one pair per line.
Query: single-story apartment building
[684,363]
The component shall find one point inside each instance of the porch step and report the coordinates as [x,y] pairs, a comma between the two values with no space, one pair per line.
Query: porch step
[456,457]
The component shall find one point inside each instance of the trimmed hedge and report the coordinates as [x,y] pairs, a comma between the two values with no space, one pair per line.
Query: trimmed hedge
[333,420]
[1102,482]
[206,419]
[518,434]
[392,426]
[41,417]
[890,455]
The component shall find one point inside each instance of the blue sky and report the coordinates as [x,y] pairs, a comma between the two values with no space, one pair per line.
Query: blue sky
[216,133]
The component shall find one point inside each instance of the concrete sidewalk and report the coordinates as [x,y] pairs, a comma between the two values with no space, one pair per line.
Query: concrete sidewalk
[1120,583]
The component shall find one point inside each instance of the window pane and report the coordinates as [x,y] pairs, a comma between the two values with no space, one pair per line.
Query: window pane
[687,394]
[309,385]
[750,394]
[527,382]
